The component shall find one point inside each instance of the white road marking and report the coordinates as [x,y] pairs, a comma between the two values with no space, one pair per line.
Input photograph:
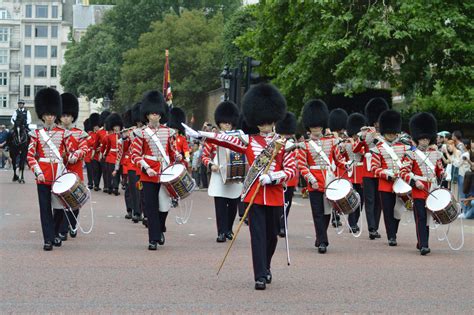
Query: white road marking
[8,213]
[192,234]
[209,218]
[110,216]
[32,232]
[308,237]
[112,233]
[297,203]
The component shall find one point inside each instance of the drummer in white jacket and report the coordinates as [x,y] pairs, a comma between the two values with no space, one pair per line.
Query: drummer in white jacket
[226,193]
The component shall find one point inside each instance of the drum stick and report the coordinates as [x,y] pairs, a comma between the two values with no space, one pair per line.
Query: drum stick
[277,149]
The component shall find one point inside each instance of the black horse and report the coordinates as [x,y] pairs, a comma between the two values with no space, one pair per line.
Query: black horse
[17,142]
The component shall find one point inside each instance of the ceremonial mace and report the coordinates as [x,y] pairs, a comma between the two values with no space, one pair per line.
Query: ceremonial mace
[278,146]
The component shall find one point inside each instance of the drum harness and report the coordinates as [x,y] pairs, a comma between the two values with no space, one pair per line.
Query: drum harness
[61,170]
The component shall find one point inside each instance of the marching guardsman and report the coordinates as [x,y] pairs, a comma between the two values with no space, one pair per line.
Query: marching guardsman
[94,120]
[88,156]
[134,170]
[287,128]
[316,164]
[123,161]
[355,163]
[422,169]
[262,106]
[110,148]
[48,146]
[373,109]
[337,125]
[98,148]
[152,151]
[74,164]
[226,195]
[387,158]
[176,117]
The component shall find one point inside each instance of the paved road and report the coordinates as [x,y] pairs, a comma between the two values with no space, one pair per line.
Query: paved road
[110,270]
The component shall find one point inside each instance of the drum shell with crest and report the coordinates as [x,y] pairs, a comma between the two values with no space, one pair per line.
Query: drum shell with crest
[177,181]
[232,165]
[342,196]
[443,206]
[69,190]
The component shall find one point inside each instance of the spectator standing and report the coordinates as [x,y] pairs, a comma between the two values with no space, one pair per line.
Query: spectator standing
[196,163]
[457,138]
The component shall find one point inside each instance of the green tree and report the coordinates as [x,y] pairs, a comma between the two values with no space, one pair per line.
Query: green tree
[195,54]
[235,26]
[319,47]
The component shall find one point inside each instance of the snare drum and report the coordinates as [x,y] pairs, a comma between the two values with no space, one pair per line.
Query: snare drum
[70,191]
[342,196]
[443,206]
[177,181]
[233,165]
[403,191]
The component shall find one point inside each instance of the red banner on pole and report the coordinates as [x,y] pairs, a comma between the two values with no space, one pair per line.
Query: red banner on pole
[167,81]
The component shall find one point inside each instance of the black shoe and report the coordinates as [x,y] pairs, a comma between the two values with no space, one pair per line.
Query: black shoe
[109,192]
[116,192]
[96,188]
[15,178]
[90,187]
[152,245]
[229,235]
[73,233]
[136,218]
[269,277]
[161,241]
[377,235]
[322,249]
[355,229]
[63,237]
[282,232]
[424,251]
[164,229]
[48,246]
[105,190]
[261,284]
[336,223]
[373,235]
[128,216]
[57,242]
[392,242]
[144,221]
[246,221]
[220,238]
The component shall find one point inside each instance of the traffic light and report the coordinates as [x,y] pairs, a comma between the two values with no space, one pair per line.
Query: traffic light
[251,77]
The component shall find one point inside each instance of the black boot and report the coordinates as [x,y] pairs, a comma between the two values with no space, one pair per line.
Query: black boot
[424,251]
[152,246]
[48,246]
[128,216]
[220,238]
[116,192]
[261,284]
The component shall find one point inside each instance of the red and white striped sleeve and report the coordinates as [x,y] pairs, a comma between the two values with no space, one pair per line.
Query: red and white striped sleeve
[376,166]
[227,141]
[118,158]
[303,165]
[406,171]
[137,151]
[208,153]
[289,169]
[32,152]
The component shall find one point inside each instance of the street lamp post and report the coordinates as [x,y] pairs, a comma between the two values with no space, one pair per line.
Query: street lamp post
[226,76]
[19,85]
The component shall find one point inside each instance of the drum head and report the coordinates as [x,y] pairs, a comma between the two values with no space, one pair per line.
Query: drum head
[172,172]
[401,187]
[64,183]
[338,189]
[438,199]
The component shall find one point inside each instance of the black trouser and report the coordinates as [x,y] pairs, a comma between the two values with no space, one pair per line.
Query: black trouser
[112,181]
[289,192]
[90,174]
[197,177]
[263,225]
[60,221]
[354,216]
[203,172]
[226,211]
[134,192]
[150,194]
[46,213]
[97,171]
[127,195]
[242,206]
[388,204]
[68,219]
[321,220]
[372,203]
[422,231]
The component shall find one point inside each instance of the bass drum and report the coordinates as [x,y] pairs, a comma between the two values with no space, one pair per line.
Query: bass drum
[342,196]
[70,191]
[443,206]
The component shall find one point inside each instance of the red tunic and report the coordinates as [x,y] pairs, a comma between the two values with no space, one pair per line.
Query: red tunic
[79,145]
[110,147]
[183,148]
[100,135]
[384,166]
[90,145]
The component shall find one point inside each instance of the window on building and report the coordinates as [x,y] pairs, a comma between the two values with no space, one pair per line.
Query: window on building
[41,31]
[41,71]
[3,100]
[27,90]
[27,71]
[3,56]
[29,10]
[54,51]
[28,31]
[41,51]
[41,11]
[54,71]
[4,14]
[54,11]
[39,87]
[4,78]
[4,34]
[27,51]
[54,31]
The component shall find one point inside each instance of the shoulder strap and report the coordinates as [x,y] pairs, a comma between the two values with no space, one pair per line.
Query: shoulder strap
[50,144]
[392,154]
[425,160]
[157,141]
[320,152]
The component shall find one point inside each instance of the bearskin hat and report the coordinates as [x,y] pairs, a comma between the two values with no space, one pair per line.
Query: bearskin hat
[152,102]
[390,121]
[337,119]
[423,125]
[177,116]
[374,108]
[87,125]
[244,126]
[48,101]
[355,121]
[263,104]
[94,120]
[227,112]
[136,116]
[287,126]
[103,117]
[315,113]
[127,118]
[113,120]
[70,105]
[165,118]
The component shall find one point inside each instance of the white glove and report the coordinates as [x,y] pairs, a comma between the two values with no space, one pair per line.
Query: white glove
[72,159]
[191,132]
[265,179]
